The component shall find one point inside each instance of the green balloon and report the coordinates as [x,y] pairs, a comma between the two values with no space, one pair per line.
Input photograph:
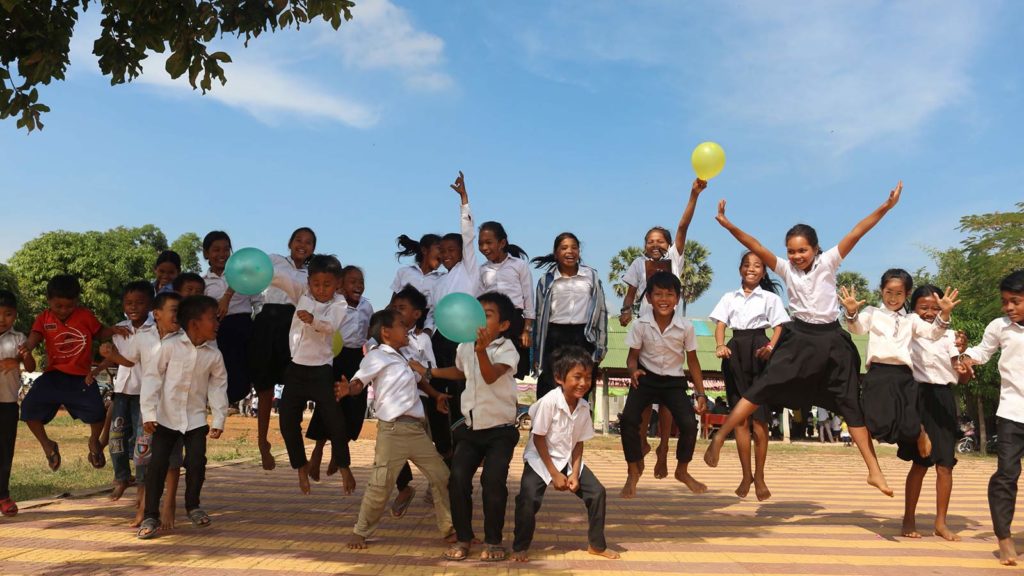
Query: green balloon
[458,316]
[249,271]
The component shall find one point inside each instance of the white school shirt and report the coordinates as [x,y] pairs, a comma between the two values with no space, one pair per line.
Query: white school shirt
[216,286]
[311,344]
[413,276]
[355,328]
[464,276]
[933,359]
[285,265]
[570,296]
[511,277]
[891,332]
[759,309]
[663,353]
[420,349]
[129,380]
[10,381]
[561,427]
[1003,334]
[182,382]
[812,294]
[394,383]
[489,405]
[636,274]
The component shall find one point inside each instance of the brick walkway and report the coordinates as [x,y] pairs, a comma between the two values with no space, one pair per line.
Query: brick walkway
[822,519]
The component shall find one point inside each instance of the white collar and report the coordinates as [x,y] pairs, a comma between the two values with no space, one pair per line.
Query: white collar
[756,291]
[677,320]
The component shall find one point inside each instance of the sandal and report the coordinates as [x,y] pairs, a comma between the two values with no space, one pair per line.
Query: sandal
[148,529]
[8,507]
[457,552]
[97,459]
[53,458]
[199,518]
[494,553]
[398,509]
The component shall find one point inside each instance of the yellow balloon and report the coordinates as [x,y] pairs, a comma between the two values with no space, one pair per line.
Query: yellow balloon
[708,159]
[337,343]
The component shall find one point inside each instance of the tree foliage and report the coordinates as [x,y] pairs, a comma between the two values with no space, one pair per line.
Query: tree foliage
[860,283]
[697,274]
[103,261]
[618,266]
[189,246]
[8,281]
[36,36]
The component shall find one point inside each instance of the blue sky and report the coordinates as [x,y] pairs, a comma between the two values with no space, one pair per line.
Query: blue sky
[564,115]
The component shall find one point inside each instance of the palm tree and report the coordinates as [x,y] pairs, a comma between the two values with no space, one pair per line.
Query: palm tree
[696,275]
[619,264]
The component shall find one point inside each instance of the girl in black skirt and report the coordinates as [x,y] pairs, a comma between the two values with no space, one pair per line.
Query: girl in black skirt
[748,312]
[269,354]
[507,272]
[815,362]
[935,372]
[889,399]
[570,310]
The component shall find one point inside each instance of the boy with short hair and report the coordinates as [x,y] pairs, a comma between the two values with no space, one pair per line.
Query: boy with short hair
[12,357]
[1006,334]
[661,343]
[554,454]
[189,284]
[187,377]
[68,330]
[402,433]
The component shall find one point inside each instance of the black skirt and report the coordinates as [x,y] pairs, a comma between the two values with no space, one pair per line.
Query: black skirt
[269,352]
[889,402]
[561,335]
[743,366]
[233,337]
[937,406]
[444,354]
[516,331]
[812,365]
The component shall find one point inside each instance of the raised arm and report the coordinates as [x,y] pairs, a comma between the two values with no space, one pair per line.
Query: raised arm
[862,227]
[748,241]
[684,222]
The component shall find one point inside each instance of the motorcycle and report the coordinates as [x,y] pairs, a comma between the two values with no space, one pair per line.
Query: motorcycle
[969,442]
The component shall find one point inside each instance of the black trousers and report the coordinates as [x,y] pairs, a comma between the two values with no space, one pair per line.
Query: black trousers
[440,434]
[1002,487]
[8,433]
[162,445]
[444,353]
[531,495]
[301,385]
[353,408]
[668,392]
[492,447]
[558,336]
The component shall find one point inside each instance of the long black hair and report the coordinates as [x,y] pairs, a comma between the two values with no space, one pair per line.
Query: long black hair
[298,231]
[766,283]
[550,261]
[410,247]
[499,232]
[807,233]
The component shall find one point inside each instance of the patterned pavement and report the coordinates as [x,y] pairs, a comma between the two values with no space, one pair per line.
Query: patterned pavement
[822,519]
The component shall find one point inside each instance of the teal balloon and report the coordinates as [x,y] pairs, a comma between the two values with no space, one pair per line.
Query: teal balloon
[249,271]
[458,316]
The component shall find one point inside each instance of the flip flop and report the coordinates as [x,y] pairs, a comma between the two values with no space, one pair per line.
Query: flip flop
[494,553]
[53,458]
[8,507]
[456,552]
[97,459]
[148,529]
[399,509]
[199,518]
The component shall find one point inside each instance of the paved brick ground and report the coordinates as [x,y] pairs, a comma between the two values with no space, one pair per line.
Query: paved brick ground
[822,519]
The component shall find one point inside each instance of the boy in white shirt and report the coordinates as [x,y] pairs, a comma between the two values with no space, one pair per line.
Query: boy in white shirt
[12,358]
[187,378]
[1006,334]
[401,427]
[554,455]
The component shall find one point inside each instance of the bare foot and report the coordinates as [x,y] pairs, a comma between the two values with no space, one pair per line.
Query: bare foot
[266,458]
[357,542]
[880,483]
[606,553]
[711,454]
[632,479]
[909,529]
[645,448]
[332,467]
[691,482]
[661,466]
[348,480]
[402,501]
[303,472]
[137,521]
[761,490]
[1007,552]
[315,459]
[744,488]
[167,516]
[118,491]
[924,445]
[944,531]
[520,556]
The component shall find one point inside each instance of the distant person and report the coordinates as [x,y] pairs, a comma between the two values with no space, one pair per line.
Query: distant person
[824,425]
[13,357]
[165,270]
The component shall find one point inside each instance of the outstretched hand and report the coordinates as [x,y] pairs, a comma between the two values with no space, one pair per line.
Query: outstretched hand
[698,186]
[460,185]
[949,301]
[848,298]
[894,195]
[720,217]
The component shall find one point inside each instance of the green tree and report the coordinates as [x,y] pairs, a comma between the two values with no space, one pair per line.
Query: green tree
[36,36]
[697,274]
[860,284]
[618,266]
[189,246]
[103,261]
[8,281]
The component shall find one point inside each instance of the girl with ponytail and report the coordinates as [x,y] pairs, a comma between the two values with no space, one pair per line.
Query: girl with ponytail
[507,272]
